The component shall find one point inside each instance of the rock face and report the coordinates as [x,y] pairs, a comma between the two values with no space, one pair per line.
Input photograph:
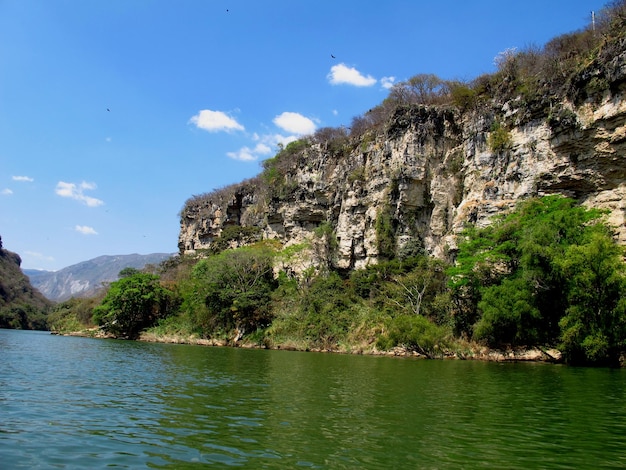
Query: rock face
[15,288]
[429,173]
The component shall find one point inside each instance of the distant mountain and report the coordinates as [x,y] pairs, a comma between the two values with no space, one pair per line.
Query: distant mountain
[86,278]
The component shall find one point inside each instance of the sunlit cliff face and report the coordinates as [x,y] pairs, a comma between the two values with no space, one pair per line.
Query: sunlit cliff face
[431,171]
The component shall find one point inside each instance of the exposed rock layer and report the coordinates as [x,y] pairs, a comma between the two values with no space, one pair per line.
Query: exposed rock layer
[431,172]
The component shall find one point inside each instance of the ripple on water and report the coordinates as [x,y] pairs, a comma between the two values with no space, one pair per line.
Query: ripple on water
[81,403]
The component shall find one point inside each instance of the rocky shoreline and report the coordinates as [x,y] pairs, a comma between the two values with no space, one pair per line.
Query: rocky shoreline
[470,351]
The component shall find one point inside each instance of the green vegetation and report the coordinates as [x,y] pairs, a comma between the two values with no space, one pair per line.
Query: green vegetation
[23,316]
[548,274]
[385,233]
[499,138]
[131,304]
[21,306]
[75,314]
[235,234]
[230,291]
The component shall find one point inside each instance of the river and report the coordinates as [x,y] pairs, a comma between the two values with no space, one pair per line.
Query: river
[76,403]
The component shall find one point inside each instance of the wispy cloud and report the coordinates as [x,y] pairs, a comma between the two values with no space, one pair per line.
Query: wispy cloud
[27,179]
[85,230]
[76,191]
[7,192]
[247,154]
[295,123]
[215,121]
[387,82]
[341,74]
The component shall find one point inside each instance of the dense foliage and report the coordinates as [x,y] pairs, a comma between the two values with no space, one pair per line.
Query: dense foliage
[21,306]
[131,304]
[231,290]
[548,273]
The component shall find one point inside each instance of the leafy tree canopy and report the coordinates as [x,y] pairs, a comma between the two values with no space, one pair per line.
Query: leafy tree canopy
[548,272]
[131,304]
[232,289]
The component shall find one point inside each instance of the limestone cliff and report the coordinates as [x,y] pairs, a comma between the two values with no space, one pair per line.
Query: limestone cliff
[432,169]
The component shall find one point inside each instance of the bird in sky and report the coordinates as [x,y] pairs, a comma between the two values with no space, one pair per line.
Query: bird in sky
[333,56]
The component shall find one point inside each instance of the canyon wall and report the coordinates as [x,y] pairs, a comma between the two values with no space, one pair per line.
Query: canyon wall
[430,171]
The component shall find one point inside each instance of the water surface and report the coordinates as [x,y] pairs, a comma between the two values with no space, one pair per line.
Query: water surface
[70,402]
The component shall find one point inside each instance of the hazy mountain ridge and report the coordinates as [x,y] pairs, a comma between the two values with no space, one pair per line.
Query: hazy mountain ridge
[86,278]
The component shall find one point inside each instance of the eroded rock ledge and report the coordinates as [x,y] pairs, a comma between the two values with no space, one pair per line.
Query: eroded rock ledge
[431,172]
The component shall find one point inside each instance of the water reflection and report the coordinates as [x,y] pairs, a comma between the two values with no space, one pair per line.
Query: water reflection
[78,403]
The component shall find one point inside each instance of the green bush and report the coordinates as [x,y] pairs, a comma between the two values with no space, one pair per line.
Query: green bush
[547,273]
[232,290]
[74,314]
[593,329]
[463,96]
[509,315]
[23,317]
[132,304]
[385,233]
[499,138]
[415,333]
[237,234]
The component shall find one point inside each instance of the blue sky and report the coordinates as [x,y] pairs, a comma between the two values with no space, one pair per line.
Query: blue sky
[114,112]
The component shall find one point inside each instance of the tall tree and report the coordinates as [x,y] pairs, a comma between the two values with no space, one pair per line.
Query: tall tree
[547,272]
[131,304]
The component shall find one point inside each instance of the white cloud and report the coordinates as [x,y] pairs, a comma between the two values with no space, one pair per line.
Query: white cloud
[295,123]
[27,179]
[85,230]
[246,154]
[262,149]
[74,191]
[387,82]
[274,140]
[7,191]
[215,121]
[266,144]
[342,74]
[285,140]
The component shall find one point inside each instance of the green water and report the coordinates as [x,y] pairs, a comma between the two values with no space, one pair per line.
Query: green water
[86,403]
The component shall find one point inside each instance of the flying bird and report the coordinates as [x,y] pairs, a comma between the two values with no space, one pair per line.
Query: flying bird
[333,56]
[108,110]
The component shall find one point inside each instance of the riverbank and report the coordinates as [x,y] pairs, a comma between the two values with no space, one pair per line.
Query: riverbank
[465,351]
